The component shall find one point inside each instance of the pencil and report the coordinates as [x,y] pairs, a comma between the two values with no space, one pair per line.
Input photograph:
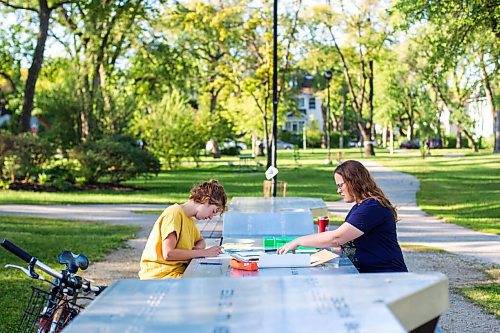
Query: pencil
[221,238]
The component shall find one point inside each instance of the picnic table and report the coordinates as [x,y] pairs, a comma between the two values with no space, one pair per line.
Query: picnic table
[215,298]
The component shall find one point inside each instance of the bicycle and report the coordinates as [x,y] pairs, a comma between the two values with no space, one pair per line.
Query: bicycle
[50,311]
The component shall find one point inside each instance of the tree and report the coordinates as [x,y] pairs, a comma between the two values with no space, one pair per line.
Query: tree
[103,31]
[44,10]
[254,74]
[210,33]
[364,29]
[171,129]
[470,25]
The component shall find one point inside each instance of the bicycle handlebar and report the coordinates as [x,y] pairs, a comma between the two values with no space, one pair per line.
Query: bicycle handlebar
[25,256]
[16,250]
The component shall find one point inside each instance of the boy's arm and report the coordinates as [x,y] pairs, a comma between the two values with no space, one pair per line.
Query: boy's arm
[200,244]
[171,253]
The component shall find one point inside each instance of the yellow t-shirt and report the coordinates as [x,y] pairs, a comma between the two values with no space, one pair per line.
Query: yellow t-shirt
[153,266]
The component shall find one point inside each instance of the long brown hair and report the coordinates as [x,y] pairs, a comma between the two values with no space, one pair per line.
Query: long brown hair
[361,185]
[210,190]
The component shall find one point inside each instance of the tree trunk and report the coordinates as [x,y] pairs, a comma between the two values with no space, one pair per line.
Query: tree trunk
[371,93]
[490,100]
[213,104]
[471,140]
[36,65]
[459,138]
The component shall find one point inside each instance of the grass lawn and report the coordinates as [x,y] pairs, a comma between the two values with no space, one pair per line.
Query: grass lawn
[45,239]
[487,294]
[461,190]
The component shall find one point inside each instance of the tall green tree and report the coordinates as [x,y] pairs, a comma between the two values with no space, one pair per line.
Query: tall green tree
[103,31]
[363,28]
[211,34]
[44,9]
[469,26]
[254,70]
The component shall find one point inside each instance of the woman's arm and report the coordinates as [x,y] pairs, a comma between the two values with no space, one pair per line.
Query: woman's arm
[340,236]
[171,253]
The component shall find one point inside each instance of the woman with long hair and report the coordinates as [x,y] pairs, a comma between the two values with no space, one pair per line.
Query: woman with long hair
[368,235]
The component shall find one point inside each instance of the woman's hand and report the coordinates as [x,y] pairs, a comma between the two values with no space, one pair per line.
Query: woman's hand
[287,248]
[213,251]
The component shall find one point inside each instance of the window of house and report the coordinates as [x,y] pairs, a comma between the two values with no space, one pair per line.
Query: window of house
[312,103]
[294,127]
[301,102]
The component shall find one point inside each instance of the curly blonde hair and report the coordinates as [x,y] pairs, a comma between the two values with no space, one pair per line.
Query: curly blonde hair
[210,190]
[361,185]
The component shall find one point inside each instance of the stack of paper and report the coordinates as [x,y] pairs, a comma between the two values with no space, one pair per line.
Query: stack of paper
[321,257]
[284,260]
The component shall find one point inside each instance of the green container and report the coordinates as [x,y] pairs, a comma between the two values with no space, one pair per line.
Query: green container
[274,242]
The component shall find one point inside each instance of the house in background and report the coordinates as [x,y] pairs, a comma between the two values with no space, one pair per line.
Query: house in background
[309,108]
[480,113]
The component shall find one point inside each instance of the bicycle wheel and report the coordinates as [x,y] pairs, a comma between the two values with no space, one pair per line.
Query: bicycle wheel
[58,317]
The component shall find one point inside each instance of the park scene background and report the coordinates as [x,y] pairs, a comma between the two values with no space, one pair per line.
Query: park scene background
[118,101]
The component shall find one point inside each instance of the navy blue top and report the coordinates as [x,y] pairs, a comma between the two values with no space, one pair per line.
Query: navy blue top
[377,250]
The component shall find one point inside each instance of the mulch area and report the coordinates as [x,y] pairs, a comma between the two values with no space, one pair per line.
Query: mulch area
[33,187]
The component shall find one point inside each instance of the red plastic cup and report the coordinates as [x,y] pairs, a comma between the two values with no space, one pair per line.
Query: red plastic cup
[323,223]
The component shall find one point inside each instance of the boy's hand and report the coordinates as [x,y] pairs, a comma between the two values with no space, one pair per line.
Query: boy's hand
[213,251]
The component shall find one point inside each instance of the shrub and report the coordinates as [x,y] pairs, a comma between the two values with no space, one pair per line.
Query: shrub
[6,148]
[23,155]
[117,157]
[451,141]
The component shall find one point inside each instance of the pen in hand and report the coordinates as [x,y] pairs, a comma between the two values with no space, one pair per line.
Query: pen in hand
[220,244]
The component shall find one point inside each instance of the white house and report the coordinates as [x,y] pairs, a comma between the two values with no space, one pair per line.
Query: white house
[480,113]
[309,106]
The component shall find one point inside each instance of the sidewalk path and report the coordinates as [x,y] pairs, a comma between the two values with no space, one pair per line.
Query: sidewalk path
[417,227]
[111,213]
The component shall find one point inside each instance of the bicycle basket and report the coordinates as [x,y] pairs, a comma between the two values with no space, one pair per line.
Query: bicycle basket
[32,319]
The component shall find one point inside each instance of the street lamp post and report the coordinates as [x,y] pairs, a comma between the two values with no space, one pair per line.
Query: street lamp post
[341,143]
[328,76]
[275,95]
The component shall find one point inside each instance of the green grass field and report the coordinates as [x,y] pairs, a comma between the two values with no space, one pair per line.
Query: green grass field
[487,293]
[461,190]
[45,239]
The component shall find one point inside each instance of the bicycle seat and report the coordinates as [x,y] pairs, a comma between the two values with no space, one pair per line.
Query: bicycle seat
[73,261]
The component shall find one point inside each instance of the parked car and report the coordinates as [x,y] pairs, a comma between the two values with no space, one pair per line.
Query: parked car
[226,144]
[283,145]
[361,143]
[415,144]
[435,143]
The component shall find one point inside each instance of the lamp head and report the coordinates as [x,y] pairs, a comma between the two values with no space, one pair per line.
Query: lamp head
[328,74]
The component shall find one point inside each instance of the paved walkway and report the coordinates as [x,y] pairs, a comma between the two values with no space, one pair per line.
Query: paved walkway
[415,226]
[113,213]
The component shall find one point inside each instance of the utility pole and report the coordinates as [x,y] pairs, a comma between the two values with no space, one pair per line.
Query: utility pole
[275,95]
[328,76]
[344,90]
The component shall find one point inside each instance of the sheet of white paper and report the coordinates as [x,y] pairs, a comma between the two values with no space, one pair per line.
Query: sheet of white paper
[220,257]
[271,172]
[284,260]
